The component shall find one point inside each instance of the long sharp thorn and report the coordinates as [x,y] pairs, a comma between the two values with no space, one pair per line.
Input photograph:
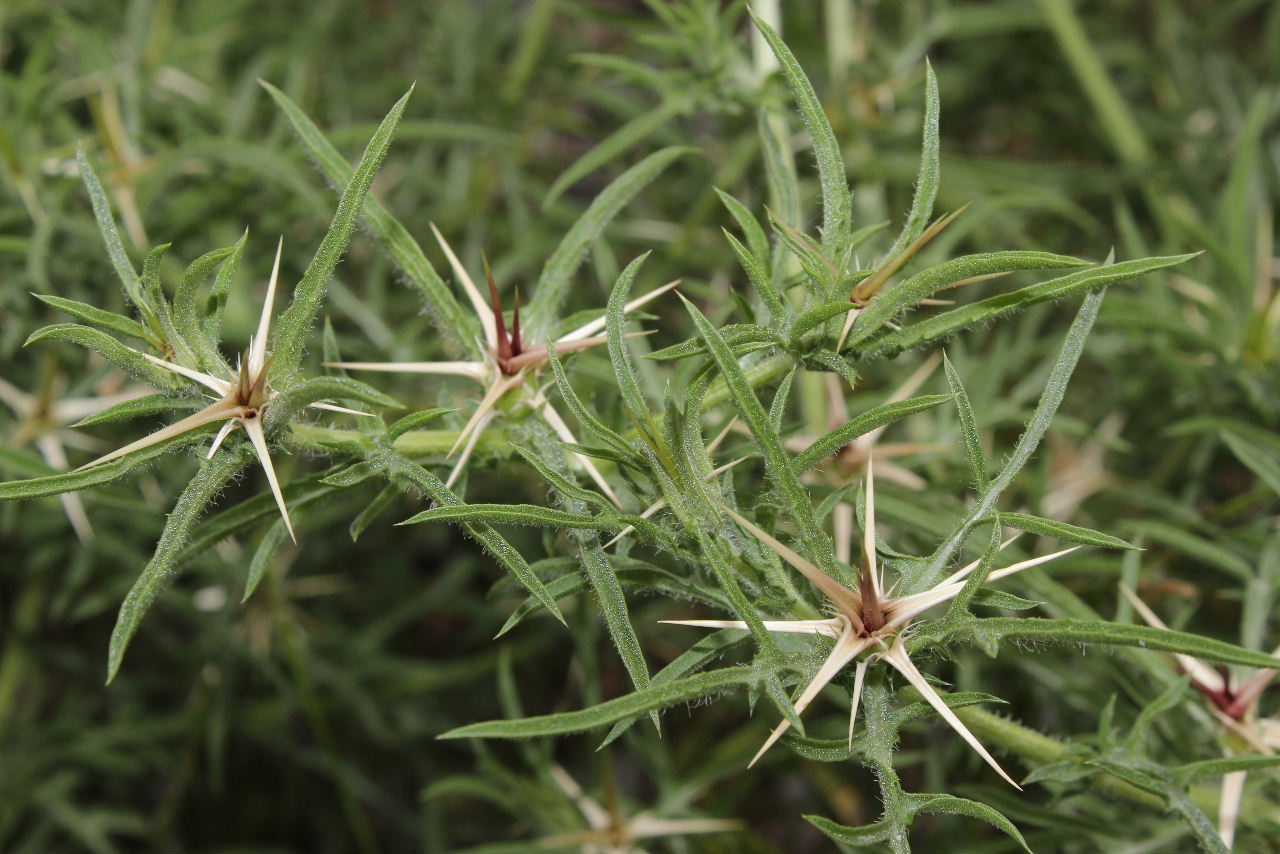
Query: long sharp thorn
[846,648]
[258,349]
[562,430]
[869,532]
[211,383]
[842,596]
[473,293]
[897,656]
[848,325]
[504,348]
[1229,805]
[259,439]
[477,429]
[599,323]
[517,341]
[216,412]
[859,674]
[829,628]
[330,407]
[222,434]
[474,370]
[490,399]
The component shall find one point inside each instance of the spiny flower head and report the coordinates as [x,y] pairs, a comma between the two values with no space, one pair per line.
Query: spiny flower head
[867,620]
[507,361]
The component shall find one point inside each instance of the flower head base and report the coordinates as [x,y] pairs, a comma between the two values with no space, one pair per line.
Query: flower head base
[506,362]
[867,621]
[241,401]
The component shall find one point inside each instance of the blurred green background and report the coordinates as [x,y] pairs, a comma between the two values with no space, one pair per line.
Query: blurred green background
[304,720]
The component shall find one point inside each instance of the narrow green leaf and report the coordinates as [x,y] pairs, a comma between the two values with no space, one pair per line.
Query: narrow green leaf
[415,420]
[628,385]
[264,556]
[759,278]
[949,322]
[554,280]
[815,317]
[613,607]
[286,405]
[404,250]
[929,173]
[968,428]
[493,542]
[514,514]
[1193,771]
[861,425]
[188,314]
[757,241]
[308,296]
[1062,531]
[1054,389]
[99,317]
[942,804]
[1264,465]
[1120,634]
[217,300]
[159,571]
[128,360]
[778,463]
[68,481]
[110,236]
[837,203]
[655,697]
[908,293]
[151,404]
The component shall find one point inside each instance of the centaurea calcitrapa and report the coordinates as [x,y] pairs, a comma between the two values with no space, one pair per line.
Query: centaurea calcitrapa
[240,401]
[867,620]
[507,362]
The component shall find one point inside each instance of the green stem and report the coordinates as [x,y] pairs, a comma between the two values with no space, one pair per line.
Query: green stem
[414,444]
[1035,748]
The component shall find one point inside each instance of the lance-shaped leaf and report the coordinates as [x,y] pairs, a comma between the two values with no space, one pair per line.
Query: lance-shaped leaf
[125,358]
[1041,418]
[110,235]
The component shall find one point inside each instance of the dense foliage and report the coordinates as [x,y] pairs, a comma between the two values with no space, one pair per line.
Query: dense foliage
[631,440]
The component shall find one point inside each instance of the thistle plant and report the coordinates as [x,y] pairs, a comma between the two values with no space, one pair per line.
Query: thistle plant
[724,479]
